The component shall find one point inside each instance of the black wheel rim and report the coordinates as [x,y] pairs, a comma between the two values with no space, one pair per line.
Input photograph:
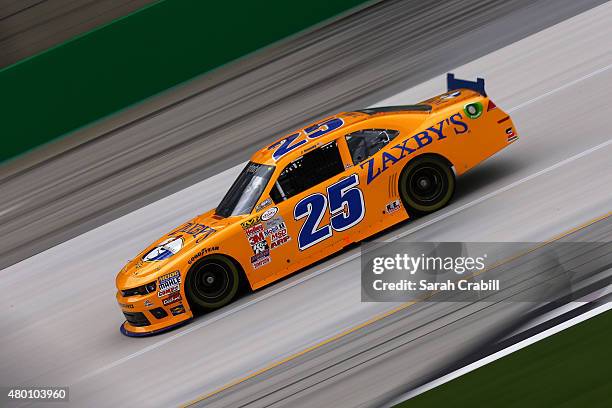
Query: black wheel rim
[211,282]
[426,185]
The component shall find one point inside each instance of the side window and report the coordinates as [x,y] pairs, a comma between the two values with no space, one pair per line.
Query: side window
[307,171]
[364,143]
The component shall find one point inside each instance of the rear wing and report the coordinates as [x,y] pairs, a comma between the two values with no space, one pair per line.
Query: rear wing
[452,83]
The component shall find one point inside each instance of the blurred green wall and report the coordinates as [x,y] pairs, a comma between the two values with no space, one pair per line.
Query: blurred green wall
[140,55]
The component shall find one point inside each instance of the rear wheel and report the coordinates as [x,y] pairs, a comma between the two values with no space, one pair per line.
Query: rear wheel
[212,283]
[426,184]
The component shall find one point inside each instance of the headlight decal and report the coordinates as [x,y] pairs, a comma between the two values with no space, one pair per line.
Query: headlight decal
[140,290]
[164,250]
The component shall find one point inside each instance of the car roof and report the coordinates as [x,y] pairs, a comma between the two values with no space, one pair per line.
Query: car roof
[265,155]
[432,105]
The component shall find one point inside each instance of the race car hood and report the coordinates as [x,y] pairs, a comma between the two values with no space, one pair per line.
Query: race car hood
[180,241]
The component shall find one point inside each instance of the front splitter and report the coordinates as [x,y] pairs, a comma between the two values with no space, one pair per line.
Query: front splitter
[128,333]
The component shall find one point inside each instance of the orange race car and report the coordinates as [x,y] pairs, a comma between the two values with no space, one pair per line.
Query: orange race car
[310,194]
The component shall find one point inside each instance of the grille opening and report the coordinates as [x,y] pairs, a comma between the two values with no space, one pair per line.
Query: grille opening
[137,319]
[159,313]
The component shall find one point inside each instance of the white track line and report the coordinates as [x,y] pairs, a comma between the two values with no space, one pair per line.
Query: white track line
[501,353]
[564,309]
[501,190]
[356,255]
[562,87]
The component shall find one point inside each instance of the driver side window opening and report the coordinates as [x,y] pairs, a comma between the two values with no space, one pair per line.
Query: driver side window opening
[364,143]
[307,171]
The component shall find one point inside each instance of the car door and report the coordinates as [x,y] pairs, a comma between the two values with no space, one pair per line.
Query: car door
[318,202]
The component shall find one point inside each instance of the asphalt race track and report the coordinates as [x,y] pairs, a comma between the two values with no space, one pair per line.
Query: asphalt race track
[63,321]
[422,341]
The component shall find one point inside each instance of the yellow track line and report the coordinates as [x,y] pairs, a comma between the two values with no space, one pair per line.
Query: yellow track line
[380,317]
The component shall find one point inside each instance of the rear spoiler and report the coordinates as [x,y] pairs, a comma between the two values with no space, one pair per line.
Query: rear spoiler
[452,83]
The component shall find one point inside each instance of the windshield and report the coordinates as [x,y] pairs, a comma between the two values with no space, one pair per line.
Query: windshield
[246,190]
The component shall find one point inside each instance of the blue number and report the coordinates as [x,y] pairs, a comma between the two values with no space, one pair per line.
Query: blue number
[347,209]
[313,207]
[346,203]
[320,129]
[312,132]
[286,146]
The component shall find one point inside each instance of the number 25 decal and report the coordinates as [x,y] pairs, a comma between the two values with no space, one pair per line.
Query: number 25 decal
[346,208]
[294,141]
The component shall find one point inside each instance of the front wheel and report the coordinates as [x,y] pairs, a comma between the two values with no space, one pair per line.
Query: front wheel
[426,184]
[212,283]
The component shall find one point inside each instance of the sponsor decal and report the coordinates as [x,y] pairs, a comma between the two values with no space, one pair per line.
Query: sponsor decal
[269,214]
[148,303]
[257,234]
[177,310]
[257,238]
[276,229]
[164,250]
[126,305]
[260,247]
[249,223]
[274,225]
[279,238]
[450,95]
[195,230]
[473,110]
[254,230]
[393,206]
[169,283]
[260,259]
[442,99]
[172,299]
[511,135]
[453,125]
[265,203]
[201,253]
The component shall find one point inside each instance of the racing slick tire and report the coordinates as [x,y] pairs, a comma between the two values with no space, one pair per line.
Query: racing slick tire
[212,283]
[426,184]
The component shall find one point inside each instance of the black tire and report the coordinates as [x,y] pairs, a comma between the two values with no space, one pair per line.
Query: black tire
[212,283]
[426,184]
